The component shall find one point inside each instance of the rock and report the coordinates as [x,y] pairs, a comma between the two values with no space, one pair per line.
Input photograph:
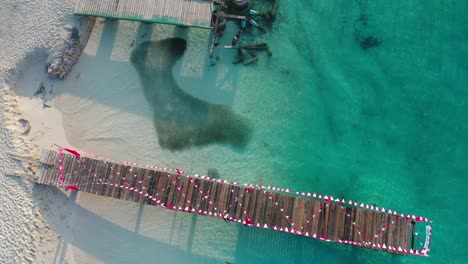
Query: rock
[25,125]
[213,173]
[62,65]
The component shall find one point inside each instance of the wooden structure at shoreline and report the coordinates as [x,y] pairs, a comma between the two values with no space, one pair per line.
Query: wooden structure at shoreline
[322,218]
[191,13]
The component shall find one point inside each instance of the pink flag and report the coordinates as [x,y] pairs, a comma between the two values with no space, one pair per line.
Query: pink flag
[72,187]
[74,152]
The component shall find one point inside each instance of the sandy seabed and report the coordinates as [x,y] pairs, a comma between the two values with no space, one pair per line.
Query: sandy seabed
[44,225]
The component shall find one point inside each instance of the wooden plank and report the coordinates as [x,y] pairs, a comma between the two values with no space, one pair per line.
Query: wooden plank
[279,210]
[396,233]
[189,192]
[309,212]
[405,234]
[326,217]
[238,207]
[45,179]
[364,226]
[97,174]
[314,222]
[133,175]
[150,188]
[211,196]
[290,211]
[246,201]
[357,218]
[233,200]
[54,173]
[104,178]
[284,221]
[129,181]
[78,175]
[352,221]
[107,191]
[217,197]
[267,210]
[195,193]
[73,174]
[90,180]
[389,236]
[215,193]
[180,193]
[115,190]
[144,185]
[138,174]
[81,167]
[69,168]
[157,184]
[336,222]
[85,184]
[40,169]
[209,192]
[260,201]
[331,223]
[223,203]
[169,190]
[342,225]
[163,185]
[254,195]
[202,188]
[179,198]
[154,187]
[225,200]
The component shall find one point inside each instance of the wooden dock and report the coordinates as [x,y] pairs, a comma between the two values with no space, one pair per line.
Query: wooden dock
[192,13]
[320,217]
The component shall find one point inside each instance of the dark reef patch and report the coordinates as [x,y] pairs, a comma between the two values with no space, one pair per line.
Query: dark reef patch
[369,42]
[361,33]
[181,120]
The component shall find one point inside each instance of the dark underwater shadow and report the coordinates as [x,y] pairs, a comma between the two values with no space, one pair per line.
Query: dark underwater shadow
[181,120]
[102,239]
[113,243]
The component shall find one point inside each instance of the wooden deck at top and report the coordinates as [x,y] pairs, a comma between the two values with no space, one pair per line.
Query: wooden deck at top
[327,220]
[196,13]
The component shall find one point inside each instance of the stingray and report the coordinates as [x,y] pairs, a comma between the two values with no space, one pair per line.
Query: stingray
[181,120]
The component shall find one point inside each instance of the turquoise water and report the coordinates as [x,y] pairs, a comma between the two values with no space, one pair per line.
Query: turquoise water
[365,100]
[385,124]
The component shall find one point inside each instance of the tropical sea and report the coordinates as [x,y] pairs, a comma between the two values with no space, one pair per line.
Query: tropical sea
[364,100]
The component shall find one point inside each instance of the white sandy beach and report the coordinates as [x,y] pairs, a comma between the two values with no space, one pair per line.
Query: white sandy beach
[27,30]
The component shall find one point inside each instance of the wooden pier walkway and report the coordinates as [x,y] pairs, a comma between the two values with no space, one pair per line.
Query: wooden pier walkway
[192,13]
[303,214]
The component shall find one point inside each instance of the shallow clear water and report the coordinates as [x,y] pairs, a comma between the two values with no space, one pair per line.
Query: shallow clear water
[329,113]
